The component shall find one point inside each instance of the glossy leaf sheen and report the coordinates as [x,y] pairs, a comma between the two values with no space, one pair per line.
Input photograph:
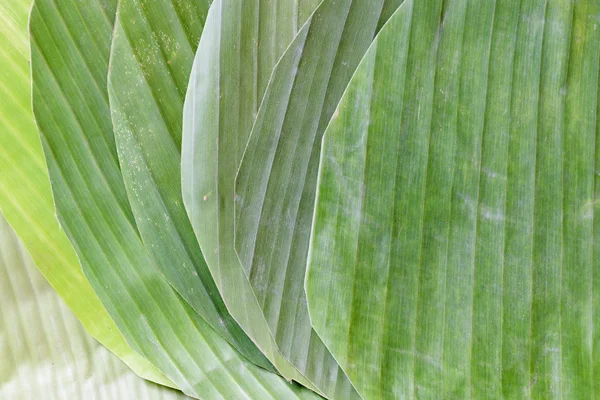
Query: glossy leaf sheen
[71,107]
[232,66]
[26,197]
[151,58]
[453,245]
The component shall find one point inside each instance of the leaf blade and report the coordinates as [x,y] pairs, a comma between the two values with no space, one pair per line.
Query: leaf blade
[150,60]
[226,86]
[508,186]
[46,351]
[26,199]
[274,188]
[75,126]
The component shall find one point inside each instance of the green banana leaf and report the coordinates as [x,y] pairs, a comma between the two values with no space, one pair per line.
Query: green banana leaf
[232,66]
[26,197]
[453,251]
[250,48]
[151,58]
[274,191]
[70,53]
[45,351]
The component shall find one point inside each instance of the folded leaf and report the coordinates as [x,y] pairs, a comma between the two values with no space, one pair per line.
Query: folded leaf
[26,197]
[151,58]
[45,352]
[454,231]
[70,52]
[232,66]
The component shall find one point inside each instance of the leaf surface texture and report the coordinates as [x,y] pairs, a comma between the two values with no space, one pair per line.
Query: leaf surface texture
[276,182]
[151,57]
[70,102]
[453,245]
[229,77]
[45,351]
[26,196]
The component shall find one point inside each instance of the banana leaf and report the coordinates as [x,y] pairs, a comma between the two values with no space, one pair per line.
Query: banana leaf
[45,351]
[232,66]
[453,245]
[26,197]
[151,57]
[274,191]
[70,53]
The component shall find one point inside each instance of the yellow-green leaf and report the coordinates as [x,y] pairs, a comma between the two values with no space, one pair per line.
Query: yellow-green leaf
[26,197]
[45,351]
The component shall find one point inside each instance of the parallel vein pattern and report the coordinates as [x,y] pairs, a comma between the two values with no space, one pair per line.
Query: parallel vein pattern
[238,50]
[71,108]
[26,197]
[455,213]
[45,351]
[151,58]
[274,191]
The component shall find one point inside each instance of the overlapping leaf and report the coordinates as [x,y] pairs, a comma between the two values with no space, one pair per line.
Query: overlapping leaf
[151,58]
[26,198]
[71,107]
[453,245]
[274,192]
[232,66]
[45,351]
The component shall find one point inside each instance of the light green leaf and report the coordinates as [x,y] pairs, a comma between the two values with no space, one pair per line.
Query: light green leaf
[151,58]
[232,65]
[26,197]
[45,352]
[70,52]
[453,245]
[274,192]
